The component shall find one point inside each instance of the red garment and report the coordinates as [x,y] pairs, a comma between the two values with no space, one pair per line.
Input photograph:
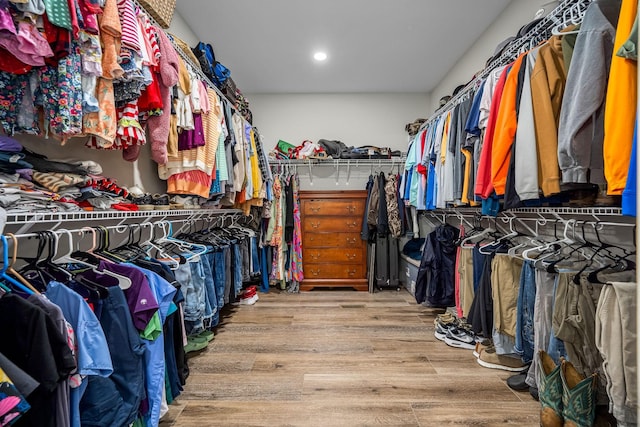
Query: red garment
[422,169]
[11,64]
[59,39]
[484,186]
[150,98]
[74,18]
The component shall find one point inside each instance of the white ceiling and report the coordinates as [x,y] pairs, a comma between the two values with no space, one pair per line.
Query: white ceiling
[373,45]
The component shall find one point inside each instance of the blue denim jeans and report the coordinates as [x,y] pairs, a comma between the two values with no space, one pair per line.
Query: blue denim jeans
[255,260]
[219,280]
[264,286]
[191,277]
[211,300]
[526,303]
[556,347]
[237,269]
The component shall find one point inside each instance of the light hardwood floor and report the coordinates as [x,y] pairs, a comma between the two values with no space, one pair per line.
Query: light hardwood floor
[340,358]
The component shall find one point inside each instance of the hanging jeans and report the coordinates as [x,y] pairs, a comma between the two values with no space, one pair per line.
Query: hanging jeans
[526,304]
[219,279]
[211,300]
[237,270]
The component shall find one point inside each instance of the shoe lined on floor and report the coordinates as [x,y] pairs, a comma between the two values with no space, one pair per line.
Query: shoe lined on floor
[481,344]
[195,344]
[460,338]
[517,382]
[490,359]
[206,334]
[250,300]
[550,392]
[578,396]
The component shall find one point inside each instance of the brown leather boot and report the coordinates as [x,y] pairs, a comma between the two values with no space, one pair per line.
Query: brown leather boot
[550,392]
[578,398]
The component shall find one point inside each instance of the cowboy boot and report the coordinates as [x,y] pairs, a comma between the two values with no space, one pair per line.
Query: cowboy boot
[550,392]
[578,399]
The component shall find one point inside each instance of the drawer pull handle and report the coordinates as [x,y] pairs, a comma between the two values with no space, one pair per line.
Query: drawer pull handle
[315,257]
[352,224]
[351,209]
[314,209]
[351,257]
[315,272]
[351,273]
[315,224]
[351,241]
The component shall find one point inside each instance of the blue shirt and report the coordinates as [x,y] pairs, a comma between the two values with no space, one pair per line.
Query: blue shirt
[92,348]
[473,119]
[154,350]
[629,195]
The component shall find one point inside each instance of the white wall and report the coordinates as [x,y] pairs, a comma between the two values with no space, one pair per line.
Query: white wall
[180,28]
[355,119]
[517,14]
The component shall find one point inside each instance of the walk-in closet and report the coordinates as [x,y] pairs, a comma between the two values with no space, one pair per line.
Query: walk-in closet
[337,213]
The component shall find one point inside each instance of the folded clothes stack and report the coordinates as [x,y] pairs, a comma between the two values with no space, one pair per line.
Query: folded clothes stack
[30,182]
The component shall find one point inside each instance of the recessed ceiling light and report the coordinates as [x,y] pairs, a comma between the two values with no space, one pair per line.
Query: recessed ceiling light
[320,56]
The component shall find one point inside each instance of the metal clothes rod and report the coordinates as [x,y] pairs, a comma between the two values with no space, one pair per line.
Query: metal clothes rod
[541,32]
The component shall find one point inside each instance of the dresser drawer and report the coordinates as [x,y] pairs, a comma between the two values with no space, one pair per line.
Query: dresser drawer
[332,207]
[319,224]
[337,255]
[332,240]
[334,271]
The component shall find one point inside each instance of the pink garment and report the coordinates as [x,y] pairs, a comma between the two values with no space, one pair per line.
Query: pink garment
[159,125]
[28,45]
[205,107]
[89,18]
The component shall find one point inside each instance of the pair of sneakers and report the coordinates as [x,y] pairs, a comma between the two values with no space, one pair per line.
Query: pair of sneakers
[249,296]
[198,341]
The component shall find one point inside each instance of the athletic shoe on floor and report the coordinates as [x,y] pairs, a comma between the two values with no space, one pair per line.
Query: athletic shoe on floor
[481,345]
[460,338]
[441,330]
[250,300]
[490,359]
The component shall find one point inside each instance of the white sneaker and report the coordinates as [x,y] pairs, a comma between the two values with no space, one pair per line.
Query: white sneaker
[249,301]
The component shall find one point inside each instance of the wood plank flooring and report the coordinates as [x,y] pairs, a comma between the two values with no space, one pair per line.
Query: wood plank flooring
[341,358]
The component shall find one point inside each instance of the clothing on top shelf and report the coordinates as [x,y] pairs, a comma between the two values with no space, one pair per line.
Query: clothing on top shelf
[539,123]
[115,78]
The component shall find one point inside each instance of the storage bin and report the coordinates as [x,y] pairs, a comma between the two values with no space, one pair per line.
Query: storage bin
[409,272]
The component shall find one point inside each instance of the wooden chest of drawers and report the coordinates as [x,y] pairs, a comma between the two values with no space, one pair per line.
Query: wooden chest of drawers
[333,254]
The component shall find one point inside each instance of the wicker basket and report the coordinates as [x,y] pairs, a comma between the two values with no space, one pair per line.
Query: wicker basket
[160,10]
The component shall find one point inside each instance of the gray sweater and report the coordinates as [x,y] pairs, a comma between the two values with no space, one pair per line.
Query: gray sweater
[581,128]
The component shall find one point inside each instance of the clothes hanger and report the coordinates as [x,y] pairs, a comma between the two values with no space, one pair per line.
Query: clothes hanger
[123,281]
[97,290]
[5,265]
[10,268]
[555,246]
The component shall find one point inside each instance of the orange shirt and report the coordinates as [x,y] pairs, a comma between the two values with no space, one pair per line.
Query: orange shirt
[620,111]
[506,125]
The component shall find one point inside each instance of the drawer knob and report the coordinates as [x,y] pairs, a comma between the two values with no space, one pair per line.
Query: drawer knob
[351,208]
[315,272]
[352,224]
[315,256]
[315,224]
[351,273]
[315,209]
[351,241]
[351,257]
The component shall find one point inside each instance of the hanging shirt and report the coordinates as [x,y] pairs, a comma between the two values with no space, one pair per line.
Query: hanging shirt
[484,187]
[506,125]
[526,155]
[620,114]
